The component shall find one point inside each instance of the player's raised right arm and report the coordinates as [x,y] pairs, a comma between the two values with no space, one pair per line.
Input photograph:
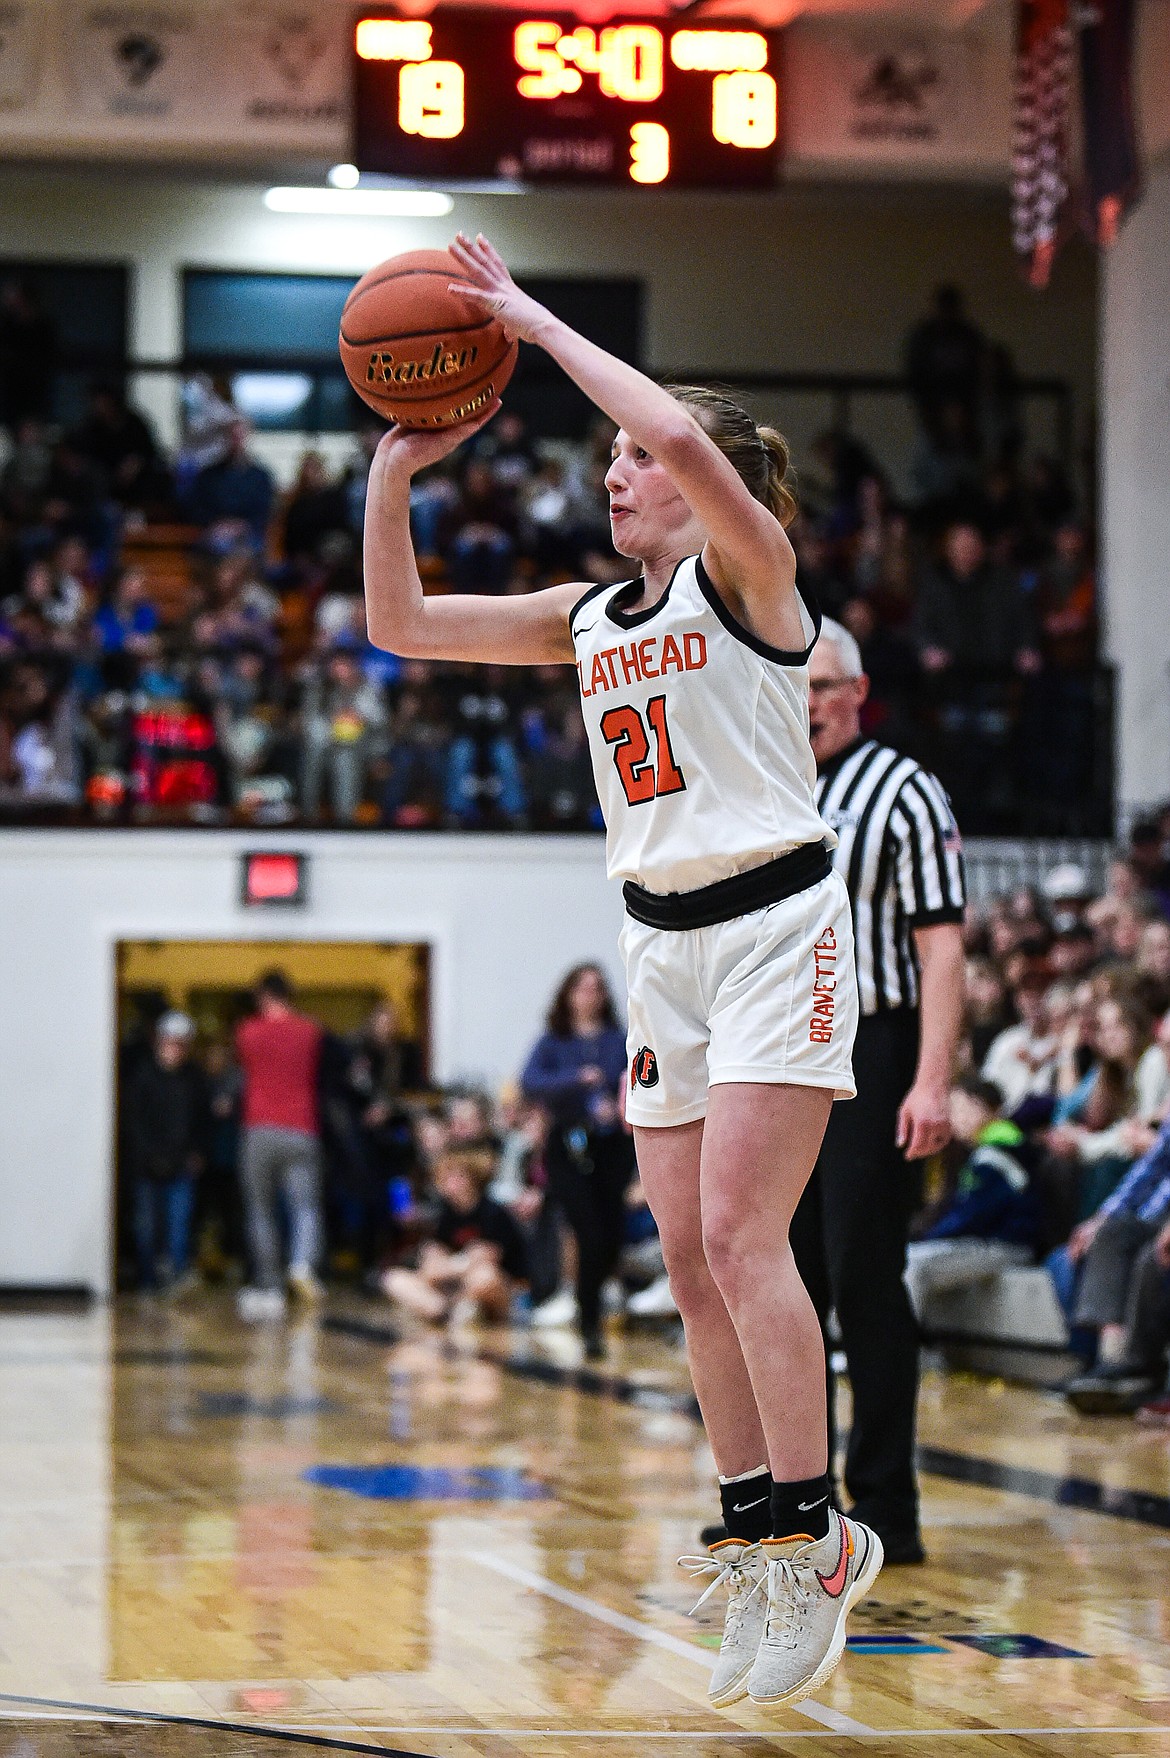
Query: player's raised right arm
[530,629]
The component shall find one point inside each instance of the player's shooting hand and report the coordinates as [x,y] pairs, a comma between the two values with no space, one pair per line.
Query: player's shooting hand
[1162,1247]
[924,1122]
[414,449]
[487,283]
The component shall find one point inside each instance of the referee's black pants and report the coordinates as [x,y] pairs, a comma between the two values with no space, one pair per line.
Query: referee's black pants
[849,1237]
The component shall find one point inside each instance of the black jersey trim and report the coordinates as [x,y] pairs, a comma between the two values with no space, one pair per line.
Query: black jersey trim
[779,655]
[589,592]
[631,619]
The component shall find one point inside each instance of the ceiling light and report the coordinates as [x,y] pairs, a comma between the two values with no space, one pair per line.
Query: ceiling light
[359,203]
[343,177]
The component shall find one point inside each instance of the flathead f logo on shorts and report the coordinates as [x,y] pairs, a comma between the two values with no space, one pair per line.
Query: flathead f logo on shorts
[644,1068]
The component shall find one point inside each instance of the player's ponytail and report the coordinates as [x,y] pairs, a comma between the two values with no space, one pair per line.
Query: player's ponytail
[758,454]
[781,494]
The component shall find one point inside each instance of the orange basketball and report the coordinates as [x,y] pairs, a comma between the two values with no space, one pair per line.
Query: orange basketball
[417,353]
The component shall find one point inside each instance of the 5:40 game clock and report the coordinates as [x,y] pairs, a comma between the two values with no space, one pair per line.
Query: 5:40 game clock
[478,96]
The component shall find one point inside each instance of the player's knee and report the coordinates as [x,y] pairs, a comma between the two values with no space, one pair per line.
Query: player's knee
[690,1278]
[729,1247]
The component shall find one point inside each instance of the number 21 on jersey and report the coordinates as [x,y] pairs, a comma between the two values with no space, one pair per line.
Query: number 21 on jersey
[642,777]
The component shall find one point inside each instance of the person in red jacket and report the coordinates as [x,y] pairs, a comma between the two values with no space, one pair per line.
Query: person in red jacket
[279,1051]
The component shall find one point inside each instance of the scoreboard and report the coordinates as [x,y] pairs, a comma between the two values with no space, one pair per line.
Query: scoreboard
[482,95]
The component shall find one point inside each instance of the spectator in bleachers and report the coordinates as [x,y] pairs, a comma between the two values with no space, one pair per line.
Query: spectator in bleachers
[126,617]
[166,1122]
[1152,966]
[560,774]
[314,510]
[972,616]
[1149,859]
[344,721]
[481,542]
[1107,1246]
[945,360]
[992,1219]
[232,499]
[120,443]
[38,737]
[1022,1059]
[414,766]
[1105,1111]
[484,780]
[248,728]
[987,1013]
[820,572]
[514,514]
[1116,1387]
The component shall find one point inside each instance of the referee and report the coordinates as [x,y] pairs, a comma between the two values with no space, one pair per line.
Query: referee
[899,854]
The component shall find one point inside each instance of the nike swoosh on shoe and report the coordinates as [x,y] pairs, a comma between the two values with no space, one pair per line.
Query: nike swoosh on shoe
[834,1584]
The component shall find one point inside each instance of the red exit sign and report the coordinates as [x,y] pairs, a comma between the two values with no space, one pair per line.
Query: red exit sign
[274,881]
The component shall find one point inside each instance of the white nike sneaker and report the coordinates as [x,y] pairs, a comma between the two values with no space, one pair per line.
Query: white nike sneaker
[657,1301]
[811,1585]
[556,1313]
[741,1568]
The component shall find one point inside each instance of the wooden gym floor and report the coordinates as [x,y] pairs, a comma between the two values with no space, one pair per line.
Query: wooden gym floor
[239,1542]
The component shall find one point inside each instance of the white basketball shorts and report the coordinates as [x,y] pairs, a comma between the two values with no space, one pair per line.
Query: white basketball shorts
[768,997]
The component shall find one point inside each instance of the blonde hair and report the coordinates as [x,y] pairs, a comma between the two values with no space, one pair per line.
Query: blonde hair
[759,455]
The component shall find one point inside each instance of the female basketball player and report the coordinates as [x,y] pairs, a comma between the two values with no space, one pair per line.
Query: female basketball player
[738,943]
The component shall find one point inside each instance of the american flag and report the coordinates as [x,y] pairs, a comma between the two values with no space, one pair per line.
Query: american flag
[1044,85]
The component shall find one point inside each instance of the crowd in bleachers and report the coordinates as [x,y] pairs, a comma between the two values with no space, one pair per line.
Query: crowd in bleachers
[1067,1051]
[526,1206]
[180,641]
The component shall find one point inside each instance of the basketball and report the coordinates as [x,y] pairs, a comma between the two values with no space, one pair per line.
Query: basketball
[419,354]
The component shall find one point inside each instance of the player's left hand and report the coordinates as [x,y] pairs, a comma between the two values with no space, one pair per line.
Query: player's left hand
[924,1122]
[487,283]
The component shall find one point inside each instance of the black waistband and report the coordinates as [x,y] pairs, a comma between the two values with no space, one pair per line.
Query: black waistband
[728,898]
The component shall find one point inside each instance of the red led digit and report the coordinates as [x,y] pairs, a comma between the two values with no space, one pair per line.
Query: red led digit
[631,63]
[649,152]
[430,99]
[743,109]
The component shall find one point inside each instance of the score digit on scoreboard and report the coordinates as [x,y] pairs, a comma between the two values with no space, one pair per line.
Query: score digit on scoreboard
[479,96]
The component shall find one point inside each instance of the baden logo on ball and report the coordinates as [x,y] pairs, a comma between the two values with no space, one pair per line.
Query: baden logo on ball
[417,353]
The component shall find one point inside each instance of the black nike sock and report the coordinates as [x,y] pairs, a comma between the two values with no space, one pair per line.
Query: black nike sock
[747,1507]
[801,1507]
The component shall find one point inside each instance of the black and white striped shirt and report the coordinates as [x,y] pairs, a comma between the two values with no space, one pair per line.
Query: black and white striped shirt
[900,855]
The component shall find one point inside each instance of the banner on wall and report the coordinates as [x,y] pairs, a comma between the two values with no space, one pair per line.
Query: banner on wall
[1112,169]
[887,96]
[141,63]
[288,65]
[22,41]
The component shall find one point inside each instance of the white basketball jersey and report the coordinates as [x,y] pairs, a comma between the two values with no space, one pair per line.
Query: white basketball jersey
[698,732]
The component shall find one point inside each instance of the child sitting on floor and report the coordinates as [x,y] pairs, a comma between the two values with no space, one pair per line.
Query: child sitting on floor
[474,1260]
